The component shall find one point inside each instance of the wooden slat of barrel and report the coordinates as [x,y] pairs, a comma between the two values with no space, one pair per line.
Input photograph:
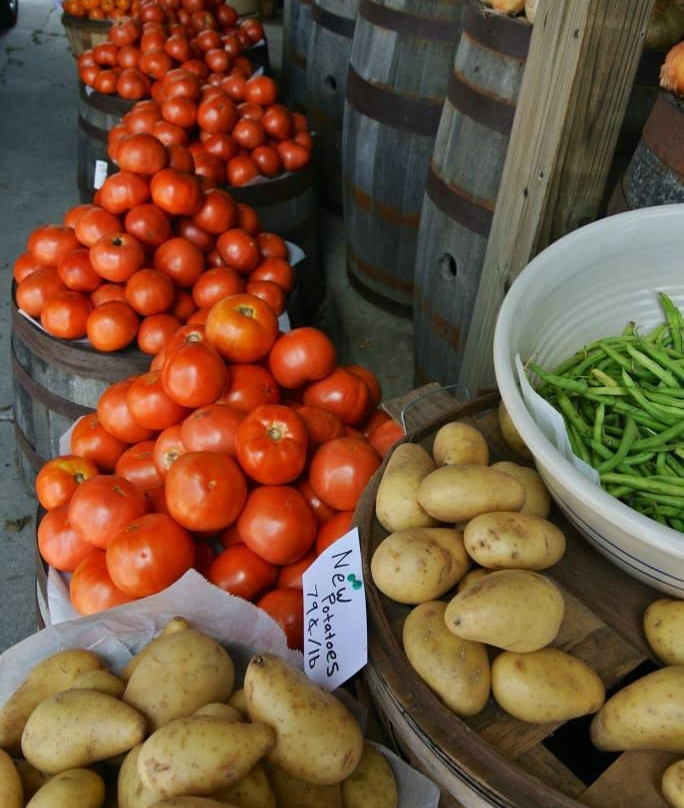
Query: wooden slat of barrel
[296,35]
[462,185]
[84,34]
[400,63]
[326,75]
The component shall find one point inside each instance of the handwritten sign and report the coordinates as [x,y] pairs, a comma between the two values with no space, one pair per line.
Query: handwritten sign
[335,631]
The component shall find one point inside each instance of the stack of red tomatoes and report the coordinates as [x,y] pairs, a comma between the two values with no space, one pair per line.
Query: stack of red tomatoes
[157,251]
[239,437]
[196,36]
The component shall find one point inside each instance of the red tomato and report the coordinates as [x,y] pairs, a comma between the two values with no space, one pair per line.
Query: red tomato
[333,530]
[321,425]
[211,168]
[181,260]
[149,224]
[277,524]
[108,292]
[205,490]
[122,191]
[293,154]
[137,466]
[168,448]
[58,542]
[34,291]
[176,193]
[230,536]
[111,326]
[372,382]
[115,258]
[276,270]
[286,607]
[242,328]
[290,576]
[76,271]
[149,291]
[156,331]
[94,224]
[149,554]
[240,170]
[270,293]
[239,250]
[183,306]
[150,406]
[222,146]
[249,387]
[102,505]
[343,393]
[300,356]
[377,418]
[242,573]
[340,471]
[92,441]
[50,243]
[323,512]
[26,265]
[218,212]
[204,557]
[383,437]
[267,161]
[248,134]
[141,153]
[66,314]
[248,219]
[194,375]
[215,284]
[271,444]
[261,90]
[211,429]
[91,588]
[272,246]
[277,122]
[60,477]
[217,115]
[116,416]
[198,317]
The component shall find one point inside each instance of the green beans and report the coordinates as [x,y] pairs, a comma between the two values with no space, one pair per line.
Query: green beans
[622,399]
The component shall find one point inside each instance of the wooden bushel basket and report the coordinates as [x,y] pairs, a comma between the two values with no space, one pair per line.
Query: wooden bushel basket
[84,34]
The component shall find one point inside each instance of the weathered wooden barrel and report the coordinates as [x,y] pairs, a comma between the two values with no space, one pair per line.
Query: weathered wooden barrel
[654,174]
[83,33]
[296,35]
[326,76]
[398,75]
[246,8]
[462,185]
[55,383]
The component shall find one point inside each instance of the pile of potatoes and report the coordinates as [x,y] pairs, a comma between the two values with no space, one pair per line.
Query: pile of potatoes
[172,730]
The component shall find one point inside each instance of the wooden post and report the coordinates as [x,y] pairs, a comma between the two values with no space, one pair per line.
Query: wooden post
[580,70]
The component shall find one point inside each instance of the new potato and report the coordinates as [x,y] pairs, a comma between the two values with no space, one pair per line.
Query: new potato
[537,497]
[372,785]
[292,792]
[131,791]
[238,701]
[545,685]
[191,802]
[459,443]
[317,738]
[412,566]
[516,610]
[221,710]
[396,503]
[672,784]
[664,628]
[175,624]
[472,577]
[251,791]
[459,493]
[31,778]
[11,789]
[457,670]
[512,540]
[511,434]
[75,787]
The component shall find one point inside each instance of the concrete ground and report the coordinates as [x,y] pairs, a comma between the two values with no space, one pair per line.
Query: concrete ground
[38,149]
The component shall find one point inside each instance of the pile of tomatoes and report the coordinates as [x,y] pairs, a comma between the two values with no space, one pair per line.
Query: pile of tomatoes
[156,251]
[101,9]
[240,440]
[140,52]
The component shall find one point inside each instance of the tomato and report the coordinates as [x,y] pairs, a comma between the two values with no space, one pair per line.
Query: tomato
[290,576]
[217,60]
[204,557]
[105,53]
[239,250]
[216,284]
[149,292]
[205,490]
[150,406]
[242,328]
[194,375]
[94,224]
[65,315]
[350,432]
[58,542]
[248,219]
[270,293]
[208,39]
[148,224]
[105,81]
[333,530]
[286,607]
[272,246]
[277,524]
[178,48]
[112,326]
[187,333]
[60,477]
[211,428]
[133,84]
[226,16]
[183,306]
[180,111]
[141,121]
[142,153]
[302,355]
[115,258]
[261,90]
[91,441]
[181,260]
[276,270]
[34,291]
[168,448]
[125,33]
[299,122]
[128,56]
[170,134]
[122,191]
[102,505]
[267,161]
[383,437]
[340,470]
[271,444]
[210,168]
[149,554]
[137,466]
[277,122]
[242,573]
[376,419]
[91,588]
[217,115]
[241,170]
[107,292]
[220,145]
[154,62]
[176,193]
[76,271]
[116,416]
[218,212]
[321,425]
[253,111]
[248,133]
[293,154]
[322,511]
[50,243]
[230,536]
[156,331]
[343,393]
[26,265]
[372,382]
[234,83]
[249,387]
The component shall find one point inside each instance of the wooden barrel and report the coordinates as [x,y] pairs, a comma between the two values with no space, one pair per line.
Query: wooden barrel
[246,8]
[326,76]
[83,33]
[462,185]
[296,35]
[55,383]
[398,75]
[493,759]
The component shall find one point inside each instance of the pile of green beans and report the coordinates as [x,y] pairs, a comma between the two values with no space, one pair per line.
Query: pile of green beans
[622,399]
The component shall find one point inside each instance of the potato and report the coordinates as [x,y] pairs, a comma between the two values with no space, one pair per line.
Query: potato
[457,670]
[131,791]
[472,577]
[291,792]
[31,778]
[537,497]
[412,566]
[201,755]
[396,503]
[52,675]
[238,701]
[251,791]
[459,443]
[221,710]
[664,628]
[175,624]
[672,784]
[545,685]
[647,714]
[512,540]
[458,493]
[191,802]
[372,785]
[186,671]
[511,434]
[317,738]
[75,787]
[515,610]
[103,681]
[11,789]
[75,728]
